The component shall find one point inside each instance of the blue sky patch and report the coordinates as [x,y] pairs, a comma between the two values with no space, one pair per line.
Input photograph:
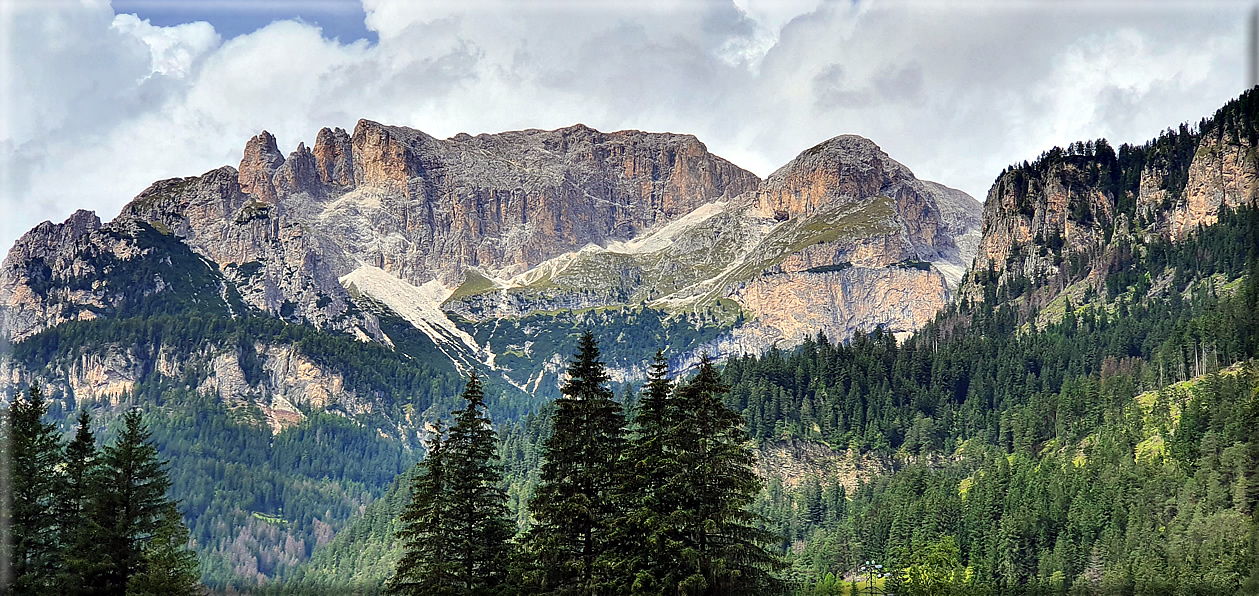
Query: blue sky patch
[339,19]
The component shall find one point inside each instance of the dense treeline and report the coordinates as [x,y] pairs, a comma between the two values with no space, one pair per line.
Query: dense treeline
[659,509]
[1026,459]
[257,502]
[964,375]
[1114,450]
[86,520]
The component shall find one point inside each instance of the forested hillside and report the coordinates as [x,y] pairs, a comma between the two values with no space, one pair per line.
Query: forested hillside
[1113,450]
[1088,427]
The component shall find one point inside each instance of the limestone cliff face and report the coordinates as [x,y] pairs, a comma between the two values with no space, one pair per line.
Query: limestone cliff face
[1025,210]
[1223,172]
[790,307]
[291,384]
[841,239]
[427,209]
[272,259]
[1063,221]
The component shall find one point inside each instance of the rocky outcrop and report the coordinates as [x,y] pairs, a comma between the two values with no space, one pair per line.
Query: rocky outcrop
[1223,172]
[299,174]
[788,308]
[565,219]
[1059,221]
[334,157]
[271,258]
[291,384]
[33,289]
[794,461]
[258,166]
[1025,210]
[850,168]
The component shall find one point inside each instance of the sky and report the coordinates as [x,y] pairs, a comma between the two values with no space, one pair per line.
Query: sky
[99,100]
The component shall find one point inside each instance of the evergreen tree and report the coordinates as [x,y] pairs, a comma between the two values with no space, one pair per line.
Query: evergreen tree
[479,519]
[575,502]
[131,502]
[35,454]
[168,567]
[80,528]
[725,551]
[426,567]
[647,548]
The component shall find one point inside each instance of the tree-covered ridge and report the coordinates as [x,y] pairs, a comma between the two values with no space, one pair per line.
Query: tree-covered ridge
[1141,505]
[1117,173]
[963,376]
[1083,220]
[1109,449]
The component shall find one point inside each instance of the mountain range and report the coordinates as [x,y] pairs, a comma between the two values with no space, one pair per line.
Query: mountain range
[473,239]
[293,324]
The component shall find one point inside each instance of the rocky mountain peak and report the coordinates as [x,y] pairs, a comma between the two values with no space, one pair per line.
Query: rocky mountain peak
[841,169]
[258,166]
[50,238]
[388,156]
[299,173]
[334,157]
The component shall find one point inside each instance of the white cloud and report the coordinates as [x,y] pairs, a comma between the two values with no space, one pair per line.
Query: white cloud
[100,105]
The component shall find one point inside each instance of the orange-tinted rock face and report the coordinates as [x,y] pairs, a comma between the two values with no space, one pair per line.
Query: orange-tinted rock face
[843,169]
[334,161]
[299,173]
[425,208]
[848,169]
[258,166]
[1221,173]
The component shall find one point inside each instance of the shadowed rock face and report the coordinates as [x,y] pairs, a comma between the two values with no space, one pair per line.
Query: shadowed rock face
[334,157]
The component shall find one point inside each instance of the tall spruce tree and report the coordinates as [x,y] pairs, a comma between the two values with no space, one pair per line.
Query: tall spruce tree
[79,526]
[575,503]
[131,503]
[35,454]
[427,566]
[726,551]
[647,546]
[479,519]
